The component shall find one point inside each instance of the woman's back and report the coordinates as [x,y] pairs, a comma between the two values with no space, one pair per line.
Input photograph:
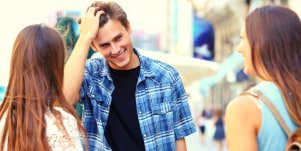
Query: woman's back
[57,138]
[219,122]
[271,53]
[30,119]
[271,136]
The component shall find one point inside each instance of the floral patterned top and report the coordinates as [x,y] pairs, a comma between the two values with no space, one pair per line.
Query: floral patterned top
[58,138]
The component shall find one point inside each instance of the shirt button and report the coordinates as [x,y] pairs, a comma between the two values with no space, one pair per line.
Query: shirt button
[144,135]
[140,112]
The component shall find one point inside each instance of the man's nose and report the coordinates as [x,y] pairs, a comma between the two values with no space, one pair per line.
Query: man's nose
[115,48]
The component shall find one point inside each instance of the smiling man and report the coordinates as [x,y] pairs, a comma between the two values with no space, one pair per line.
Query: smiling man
[130,102]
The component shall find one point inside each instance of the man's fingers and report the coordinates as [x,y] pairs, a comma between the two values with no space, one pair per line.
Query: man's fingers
[91,10]
[99,13]
[96,11]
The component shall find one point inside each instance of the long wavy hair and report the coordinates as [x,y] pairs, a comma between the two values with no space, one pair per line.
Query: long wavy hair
[34,88]
[274,34]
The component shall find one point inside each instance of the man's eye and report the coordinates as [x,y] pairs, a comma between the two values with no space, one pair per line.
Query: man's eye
[104,45]
[118,38]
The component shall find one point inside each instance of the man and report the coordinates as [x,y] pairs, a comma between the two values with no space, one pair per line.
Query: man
[131,102]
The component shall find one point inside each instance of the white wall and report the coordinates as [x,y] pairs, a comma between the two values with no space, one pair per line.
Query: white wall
[148,15]
[16,14]
[185,40]
[296,6]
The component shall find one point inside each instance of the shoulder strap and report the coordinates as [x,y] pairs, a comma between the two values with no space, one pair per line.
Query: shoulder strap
[276,114]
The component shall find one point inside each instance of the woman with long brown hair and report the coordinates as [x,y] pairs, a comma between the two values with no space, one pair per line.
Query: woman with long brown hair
[34,114]
[271,48]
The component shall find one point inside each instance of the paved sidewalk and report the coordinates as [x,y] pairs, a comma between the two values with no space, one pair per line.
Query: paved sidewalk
[194,144]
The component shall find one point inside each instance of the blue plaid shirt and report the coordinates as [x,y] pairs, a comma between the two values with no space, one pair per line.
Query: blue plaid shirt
[162,107]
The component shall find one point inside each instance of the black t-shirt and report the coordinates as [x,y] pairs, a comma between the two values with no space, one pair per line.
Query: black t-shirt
[122,130]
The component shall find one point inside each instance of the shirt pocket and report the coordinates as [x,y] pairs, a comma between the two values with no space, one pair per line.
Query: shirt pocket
[98,96]
[162,115]
[99,103]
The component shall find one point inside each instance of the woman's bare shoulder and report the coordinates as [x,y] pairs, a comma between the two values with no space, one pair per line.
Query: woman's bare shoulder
[244,109]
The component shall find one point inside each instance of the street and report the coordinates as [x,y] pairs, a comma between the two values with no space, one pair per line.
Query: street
[194,144]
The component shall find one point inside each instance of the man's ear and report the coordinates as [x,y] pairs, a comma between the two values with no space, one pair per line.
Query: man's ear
[129,29]
[93,46]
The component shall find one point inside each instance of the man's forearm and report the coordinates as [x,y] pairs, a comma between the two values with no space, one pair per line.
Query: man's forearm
[181,145]
[74,70]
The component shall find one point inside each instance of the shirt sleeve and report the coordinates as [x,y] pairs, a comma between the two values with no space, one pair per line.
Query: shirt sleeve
[83,90]
[183,122]
[85,83]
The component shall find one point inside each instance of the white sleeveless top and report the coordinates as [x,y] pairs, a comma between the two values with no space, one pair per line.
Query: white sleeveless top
[56,137]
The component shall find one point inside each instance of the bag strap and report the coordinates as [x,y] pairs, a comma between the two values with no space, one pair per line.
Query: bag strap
[273,109]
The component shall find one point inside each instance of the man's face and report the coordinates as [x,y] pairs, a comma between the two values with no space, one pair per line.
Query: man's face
[114,43]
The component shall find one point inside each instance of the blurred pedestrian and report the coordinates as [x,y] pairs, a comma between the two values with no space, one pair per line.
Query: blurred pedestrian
[131,102]
[219,133]
[201,123]
[34,114]
[271,47]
